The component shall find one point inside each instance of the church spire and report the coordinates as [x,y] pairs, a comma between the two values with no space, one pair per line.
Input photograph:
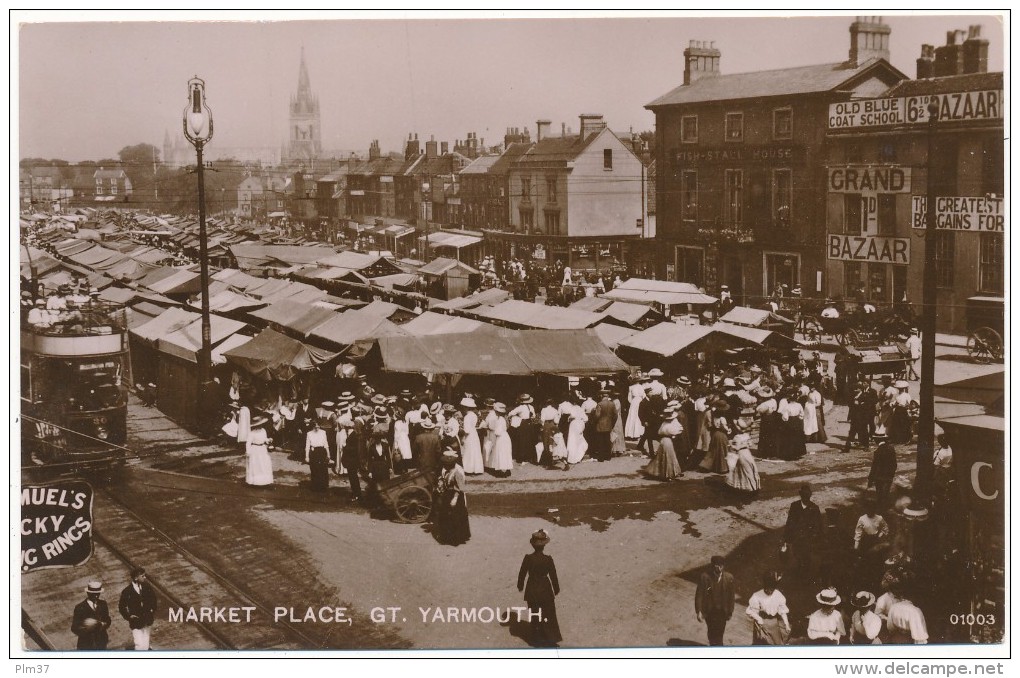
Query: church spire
[304,85]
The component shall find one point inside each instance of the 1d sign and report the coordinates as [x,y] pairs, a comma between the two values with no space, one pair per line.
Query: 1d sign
[874,249]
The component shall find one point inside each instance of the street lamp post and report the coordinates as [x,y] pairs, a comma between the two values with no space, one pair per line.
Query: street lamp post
[929,300]
[198,130]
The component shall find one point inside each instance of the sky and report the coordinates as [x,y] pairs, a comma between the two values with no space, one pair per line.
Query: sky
[87,89]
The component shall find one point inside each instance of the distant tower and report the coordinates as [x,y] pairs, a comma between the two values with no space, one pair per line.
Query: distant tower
[305,136]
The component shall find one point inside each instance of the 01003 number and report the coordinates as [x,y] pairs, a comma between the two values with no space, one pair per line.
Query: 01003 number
[972,619]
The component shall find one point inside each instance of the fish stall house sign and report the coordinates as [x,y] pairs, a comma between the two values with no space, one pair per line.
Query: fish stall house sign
[874,249]
[56,525]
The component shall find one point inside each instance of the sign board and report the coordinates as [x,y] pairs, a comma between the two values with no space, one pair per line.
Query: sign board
[771,154]
[56,525]
[869,180]
[984,215]
[960,106]
[874,249]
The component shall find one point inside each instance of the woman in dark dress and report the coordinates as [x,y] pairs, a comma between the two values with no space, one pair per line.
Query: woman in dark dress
[451,509]
[540,593]
[719,446]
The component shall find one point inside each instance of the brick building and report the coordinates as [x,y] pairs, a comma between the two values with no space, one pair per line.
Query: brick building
[740,159]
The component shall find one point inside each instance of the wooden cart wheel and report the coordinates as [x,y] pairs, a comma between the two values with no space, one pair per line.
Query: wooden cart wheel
[985,345]
[413,504]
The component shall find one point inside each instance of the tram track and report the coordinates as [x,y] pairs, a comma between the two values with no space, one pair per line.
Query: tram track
[189,583]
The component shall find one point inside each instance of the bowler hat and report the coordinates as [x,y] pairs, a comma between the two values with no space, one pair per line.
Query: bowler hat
[718,560]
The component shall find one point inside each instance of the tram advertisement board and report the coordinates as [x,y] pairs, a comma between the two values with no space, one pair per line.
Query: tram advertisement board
[56,525]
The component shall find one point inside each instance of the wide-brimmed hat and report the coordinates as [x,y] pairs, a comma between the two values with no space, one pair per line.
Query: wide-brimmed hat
[765,393]
[405,393]
[525,399]
[378,399]
[728,382]
[673,404]
[346,397]
[915,514]
[327,404]
[380,412]
[427,424]
[669,413]
[499,408]
[913,330]
[94,586]
[450,409]
[258,421]
[828,597]
[655,372]
[901,384]
[436,408]
[683,380]
[540,538]
[489,402]
[449,453]
[467,402]
[863,599]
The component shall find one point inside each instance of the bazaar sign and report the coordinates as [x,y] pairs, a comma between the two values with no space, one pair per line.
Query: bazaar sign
[959,106]
[56,525]
[874,249]
[981,214]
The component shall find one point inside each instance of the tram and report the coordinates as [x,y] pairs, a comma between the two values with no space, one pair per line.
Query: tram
[75,371]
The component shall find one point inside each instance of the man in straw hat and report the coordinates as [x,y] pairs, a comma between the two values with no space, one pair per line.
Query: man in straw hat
[91,618]
[427,447]
[714,599]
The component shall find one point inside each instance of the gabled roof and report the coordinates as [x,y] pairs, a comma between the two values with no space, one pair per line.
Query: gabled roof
[556,151]
[481,164]
[969,82]
[441,265]
[509,157]
[110,174]
[778,82]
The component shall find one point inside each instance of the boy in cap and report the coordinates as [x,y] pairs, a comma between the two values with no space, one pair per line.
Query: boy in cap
[138,607]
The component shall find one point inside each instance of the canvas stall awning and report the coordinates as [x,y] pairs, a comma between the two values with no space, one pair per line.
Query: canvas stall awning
[540,316]
[437,323]
[644,291]
[758,336]
[169,321]
[302,318]
[506,353]
[344,329]
[186,342]
[669,339]
[272,355]
[753,317]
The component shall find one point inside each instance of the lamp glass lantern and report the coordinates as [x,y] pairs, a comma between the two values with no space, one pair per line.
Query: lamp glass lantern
[198,119]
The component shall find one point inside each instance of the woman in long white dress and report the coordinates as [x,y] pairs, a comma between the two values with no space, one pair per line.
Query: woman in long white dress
[633,427]
[810,417]
[471,446]
[259,467]
[402,441]
[502,450]
[576,443]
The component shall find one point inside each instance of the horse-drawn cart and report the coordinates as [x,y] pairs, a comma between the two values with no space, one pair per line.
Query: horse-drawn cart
[409,496]
[878,359]
[985,324]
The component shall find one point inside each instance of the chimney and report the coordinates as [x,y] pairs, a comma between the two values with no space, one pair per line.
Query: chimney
[926,62]
[701,59]
[373,150]
[542,129]
[975,52]
[591,123]
[563,130]
[444,147]
[413,148]
[949,57]
[431,148]
[869,39]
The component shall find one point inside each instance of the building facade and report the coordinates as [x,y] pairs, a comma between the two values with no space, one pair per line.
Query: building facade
[740,166]
[880,154]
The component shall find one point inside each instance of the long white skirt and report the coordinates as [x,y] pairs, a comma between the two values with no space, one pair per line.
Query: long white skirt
[633,428]
[259,467]
[502,454]
[471,453]
[576,444]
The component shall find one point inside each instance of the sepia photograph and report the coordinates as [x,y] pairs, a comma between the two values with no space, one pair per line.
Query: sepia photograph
[358,334]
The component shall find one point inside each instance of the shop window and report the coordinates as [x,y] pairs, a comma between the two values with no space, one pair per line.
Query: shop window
[853,214]
[734,127]
[734,208]
[689,129]
[782,123]
[991,263]
[689,195]
[886,213]
[782,195]
[945,252]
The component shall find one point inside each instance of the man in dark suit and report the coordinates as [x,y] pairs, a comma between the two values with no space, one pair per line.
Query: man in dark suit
[803,530]
[427,448]
[714,598]
[138,607]
[862,417]
[605,420]
[883,471]
[91,618]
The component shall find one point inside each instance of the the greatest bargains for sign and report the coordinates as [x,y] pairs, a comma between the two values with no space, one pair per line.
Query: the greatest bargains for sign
[875,249]
[56,525]
[960,214]
[984,105]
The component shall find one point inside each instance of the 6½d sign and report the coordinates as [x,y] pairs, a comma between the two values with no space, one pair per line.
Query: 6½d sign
[56,525]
